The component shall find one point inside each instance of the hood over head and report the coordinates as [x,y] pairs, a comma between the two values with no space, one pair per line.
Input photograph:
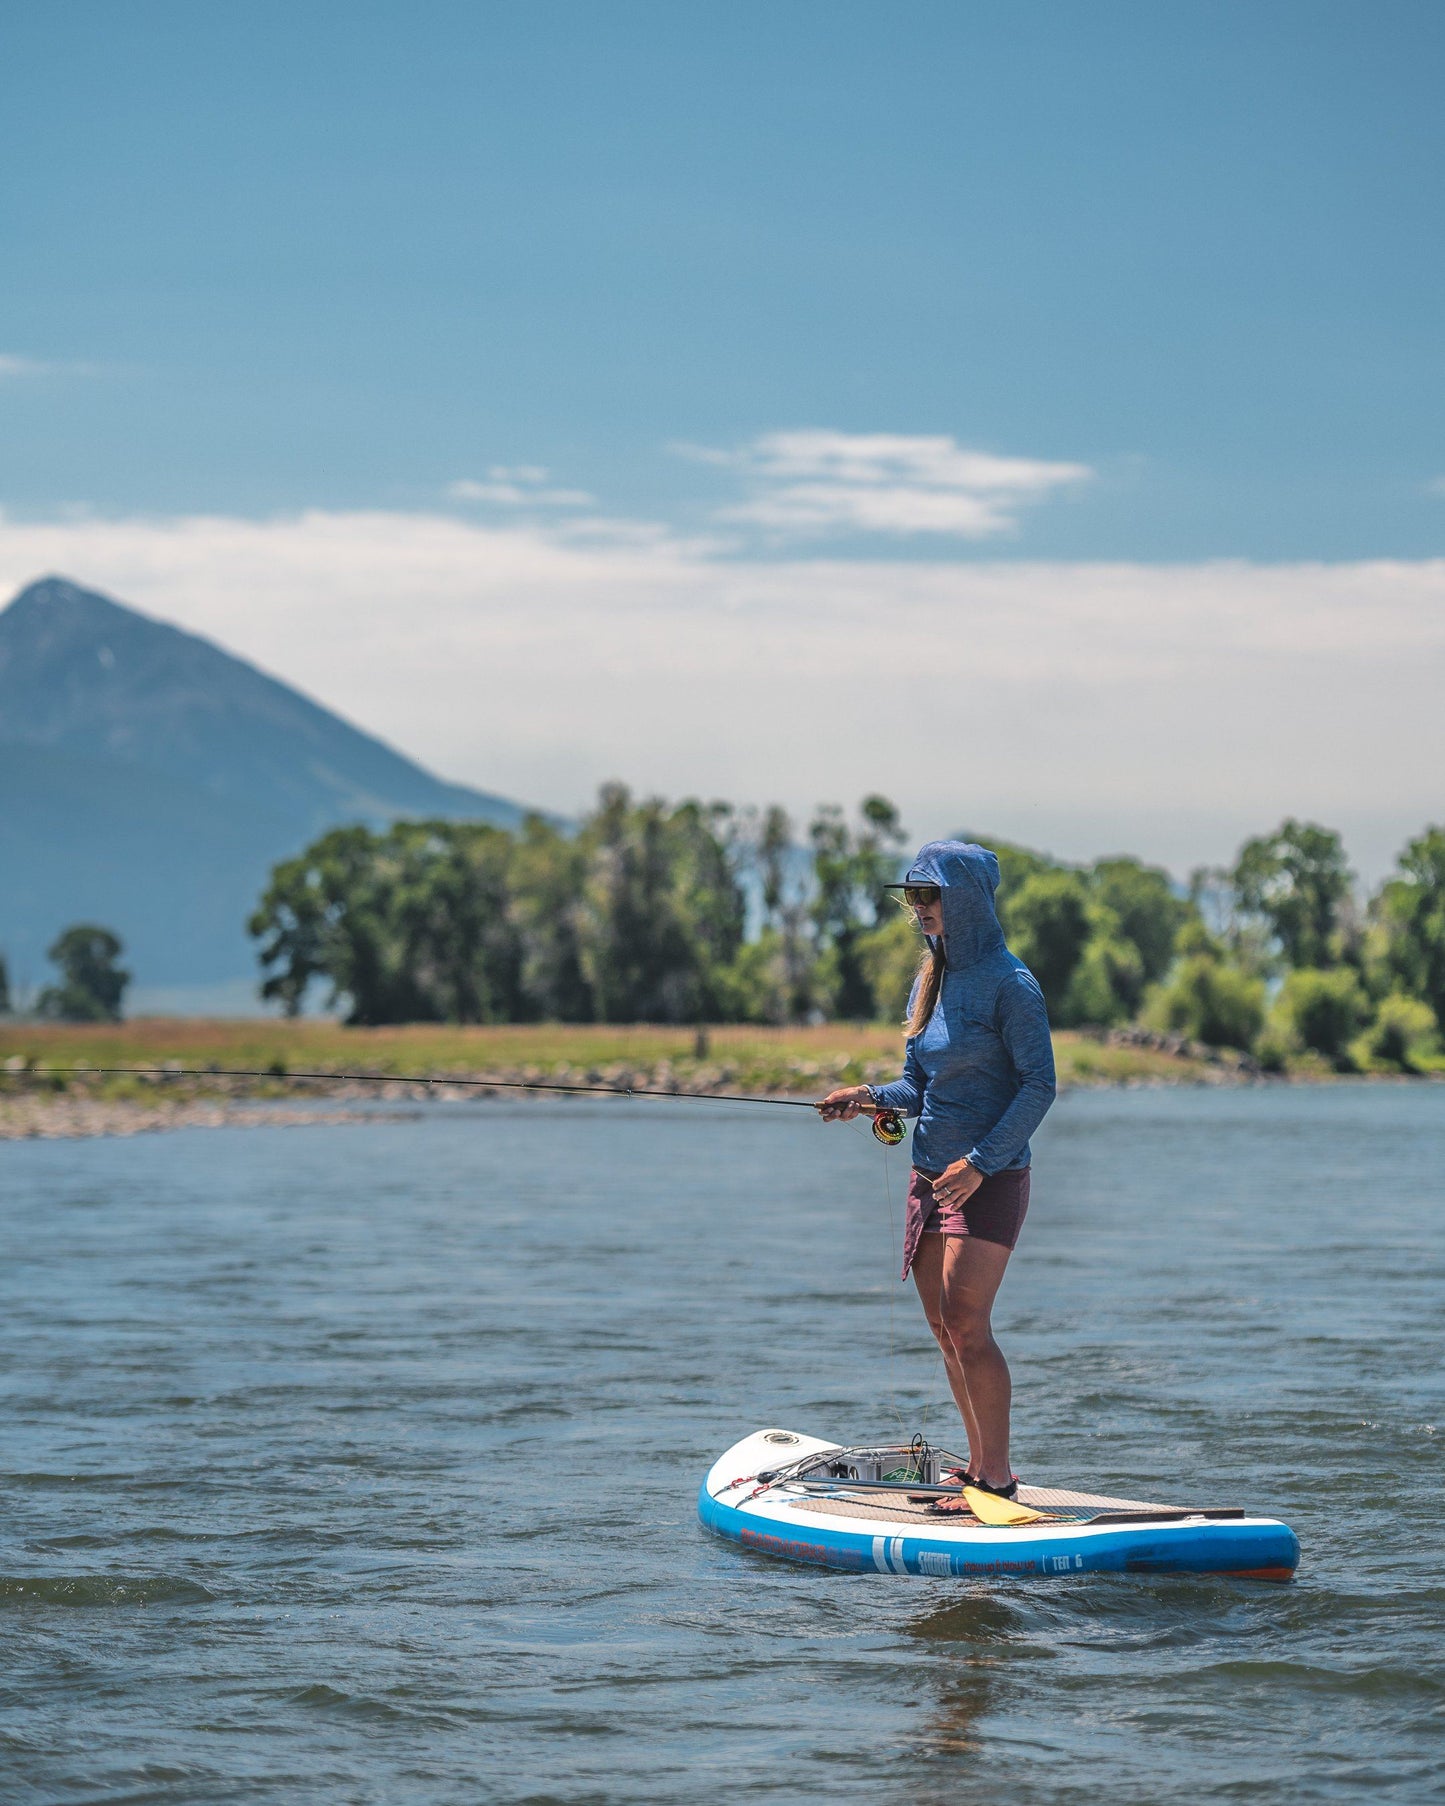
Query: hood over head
[967,876]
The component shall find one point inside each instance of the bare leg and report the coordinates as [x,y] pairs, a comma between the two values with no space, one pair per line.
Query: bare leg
[965,1277]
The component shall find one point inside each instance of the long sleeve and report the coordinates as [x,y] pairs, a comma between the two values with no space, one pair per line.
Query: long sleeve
[905,1095]
[1023,1022]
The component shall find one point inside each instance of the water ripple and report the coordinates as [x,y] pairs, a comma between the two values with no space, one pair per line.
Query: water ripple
[374,1458]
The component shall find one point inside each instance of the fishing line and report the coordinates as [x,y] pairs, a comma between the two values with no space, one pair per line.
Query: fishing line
[892,1288]
[892,1365]
[887,1125]
[932,1386]
[393,1078]
[930,1390]
[938,1360]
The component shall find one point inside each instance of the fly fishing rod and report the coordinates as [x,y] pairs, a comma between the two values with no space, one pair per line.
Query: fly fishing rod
[887,1123]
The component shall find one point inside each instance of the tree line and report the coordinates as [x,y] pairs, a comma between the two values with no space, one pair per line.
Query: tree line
[691,912]
[647,912]
[1283,958]
[651,911]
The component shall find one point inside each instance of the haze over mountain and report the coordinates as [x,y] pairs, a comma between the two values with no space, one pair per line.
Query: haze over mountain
[149,780]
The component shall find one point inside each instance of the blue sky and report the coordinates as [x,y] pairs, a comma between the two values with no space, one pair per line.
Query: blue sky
[321,255]
[1032,411]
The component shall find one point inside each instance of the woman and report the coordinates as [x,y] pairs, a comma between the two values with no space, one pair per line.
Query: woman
[979,1075]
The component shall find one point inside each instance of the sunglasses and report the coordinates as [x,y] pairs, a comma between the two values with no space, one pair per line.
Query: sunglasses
[919,896]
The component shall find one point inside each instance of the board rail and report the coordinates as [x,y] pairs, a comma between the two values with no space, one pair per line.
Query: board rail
[794,1512]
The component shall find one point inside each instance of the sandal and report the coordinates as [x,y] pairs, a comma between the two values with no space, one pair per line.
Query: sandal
[949,1508]
[1011,1491]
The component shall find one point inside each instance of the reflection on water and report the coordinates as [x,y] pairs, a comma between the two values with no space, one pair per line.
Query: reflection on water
[952,1727]
[979,1631]
[973,1616]
[360,1463]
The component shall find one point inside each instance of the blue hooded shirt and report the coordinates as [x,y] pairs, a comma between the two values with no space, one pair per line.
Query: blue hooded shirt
[980,1077]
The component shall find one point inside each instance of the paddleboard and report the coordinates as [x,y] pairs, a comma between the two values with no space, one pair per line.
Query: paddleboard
[866,1509]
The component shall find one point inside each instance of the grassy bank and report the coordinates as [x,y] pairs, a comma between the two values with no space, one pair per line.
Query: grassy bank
[792,1061]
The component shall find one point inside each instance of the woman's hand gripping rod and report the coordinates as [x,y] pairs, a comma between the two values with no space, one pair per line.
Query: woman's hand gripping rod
[858,1100]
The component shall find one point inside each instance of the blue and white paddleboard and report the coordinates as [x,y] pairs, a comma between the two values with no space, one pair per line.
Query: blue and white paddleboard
[866,1509]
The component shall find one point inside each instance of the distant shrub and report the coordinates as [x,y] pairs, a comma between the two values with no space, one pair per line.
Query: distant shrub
[1274,1050]
[1411,911]
[1320,1012]
[1402,1037]
[1211,1002]
[1107,984]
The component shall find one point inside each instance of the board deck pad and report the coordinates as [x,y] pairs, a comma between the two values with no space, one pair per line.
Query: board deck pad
[1061,1505]
[802,1498]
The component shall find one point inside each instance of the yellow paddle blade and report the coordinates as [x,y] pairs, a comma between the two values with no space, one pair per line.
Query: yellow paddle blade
[989,1508]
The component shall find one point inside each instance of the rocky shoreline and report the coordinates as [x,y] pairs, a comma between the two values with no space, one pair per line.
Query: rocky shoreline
[67,1117]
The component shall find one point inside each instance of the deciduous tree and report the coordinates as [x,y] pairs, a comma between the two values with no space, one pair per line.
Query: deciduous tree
[1412,910]
[1294,882]
[92,984]
[851,865]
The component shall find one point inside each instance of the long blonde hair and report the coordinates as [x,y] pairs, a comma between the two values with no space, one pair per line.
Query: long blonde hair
[925,996]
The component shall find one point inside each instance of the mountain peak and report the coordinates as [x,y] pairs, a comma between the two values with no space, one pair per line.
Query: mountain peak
[57,592]
[53,622]
[83,674]
[119,732]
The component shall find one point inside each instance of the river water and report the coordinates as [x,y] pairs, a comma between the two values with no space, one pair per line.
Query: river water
[358,1463]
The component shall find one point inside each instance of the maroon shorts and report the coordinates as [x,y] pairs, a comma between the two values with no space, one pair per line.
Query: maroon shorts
[995,1212]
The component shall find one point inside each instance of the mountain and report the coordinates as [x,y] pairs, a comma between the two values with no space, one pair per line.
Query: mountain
[149,780]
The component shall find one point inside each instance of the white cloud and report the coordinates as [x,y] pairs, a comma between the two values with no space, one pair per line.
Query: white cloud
[13,364]
[815,481]
[1169,709]
[518,486]
[702,454]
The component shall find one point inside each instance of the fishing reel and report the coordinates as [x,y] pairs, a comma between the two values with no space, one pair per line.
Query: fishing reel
[888,1127]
